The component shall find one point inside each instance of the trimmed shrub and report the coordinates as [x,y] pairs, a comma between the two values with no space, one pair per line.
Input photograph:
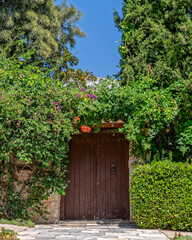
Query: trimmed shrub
[161,195]
[183,237]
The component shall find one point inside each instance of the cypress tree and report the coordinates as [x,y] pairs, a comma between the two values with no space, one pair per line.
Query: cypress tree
[156,40]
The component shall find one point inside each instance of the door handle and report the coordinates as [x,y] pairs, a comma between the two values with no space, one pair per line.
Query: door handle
[113,169]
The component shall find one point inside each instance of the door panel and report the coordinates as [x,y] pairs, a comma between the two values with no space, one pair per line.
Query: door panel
[98,188]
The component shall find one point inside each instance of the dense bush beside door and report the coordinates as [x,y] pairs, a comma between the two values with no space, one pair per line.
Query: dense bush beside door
[161,195]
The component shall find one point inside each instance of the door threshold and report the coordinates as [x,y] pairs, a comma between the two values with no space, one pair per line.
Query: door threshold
[96,222]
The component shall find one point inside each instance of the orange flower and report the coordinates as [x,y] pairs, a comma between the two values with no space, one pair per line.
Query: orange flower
[85,129]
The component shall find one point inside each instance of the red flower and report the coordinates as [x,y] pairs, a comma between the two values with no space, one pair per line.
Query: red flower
[77,118]
[179,234]
[85,129]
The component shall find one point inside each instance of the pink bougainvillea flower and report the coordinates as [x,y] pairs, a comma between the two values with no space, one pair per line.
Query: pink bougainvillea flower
[82,89]
[78,95]
[94,97]
[85,129]
[55,103]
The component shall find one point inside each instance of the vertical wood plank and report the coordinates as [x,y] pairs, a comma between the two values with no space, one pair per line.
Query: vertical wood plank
[77,176]
[94,176]
[127,204]
[108,175]
[81,177]
[118,153]
[102,180]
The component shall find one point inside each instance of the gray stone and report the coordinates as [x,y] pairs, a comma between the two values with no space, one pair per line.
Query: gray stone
[101,238]
[152,235]
[26,238]
[64,237]
[118,234]
[44,226]
[44,238]
[62,228]
[90,231]
[132,237]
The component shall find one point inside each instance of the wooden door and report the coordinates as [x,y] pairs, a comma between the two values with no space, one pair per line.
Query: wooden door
[98,174]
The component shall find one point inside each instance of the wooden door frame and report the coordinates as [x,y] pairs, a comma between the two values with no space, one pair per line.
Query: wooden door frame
[105,128]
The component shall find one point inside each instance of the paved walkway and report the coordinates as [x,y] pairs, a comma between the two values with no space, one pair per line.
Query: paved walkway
[91,230]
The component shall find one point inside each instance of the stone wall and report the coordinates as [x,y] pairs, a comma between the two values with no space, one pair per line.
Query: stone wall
[53,207]
[52,204]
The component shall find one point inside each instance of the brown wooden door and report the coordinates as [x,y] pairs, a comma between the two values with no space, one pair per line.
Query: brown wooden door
[98,174]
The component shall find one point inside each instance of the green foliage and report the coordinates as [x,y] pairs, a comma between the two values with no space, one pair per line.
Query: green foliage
[156,40]
[161,195]
[157,120]
[18,222]
[183,237]
[8,235]
[151,112]
[36,124]
[46,27]
[38,120]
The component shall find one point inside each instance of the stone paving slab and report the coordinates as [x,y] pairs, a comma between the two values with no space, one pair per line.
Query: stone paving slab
[74,230]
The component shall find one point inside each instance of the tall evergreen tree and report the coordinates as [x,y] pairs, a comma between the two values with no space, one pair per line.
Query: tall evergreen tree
[156,40]
[46,27]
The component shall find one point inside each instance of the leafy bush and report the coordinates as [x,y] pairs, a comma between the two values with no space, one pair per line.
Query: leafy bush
[36,124]
[8,235]
[182,237]
[161,195]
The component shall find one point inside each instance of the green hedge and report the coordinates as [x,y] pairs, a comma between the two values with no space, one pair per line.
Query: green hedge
[161,195]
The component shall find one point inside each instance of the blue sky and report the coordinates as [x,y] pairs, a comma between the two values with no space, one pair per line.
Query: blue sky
[98,53]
